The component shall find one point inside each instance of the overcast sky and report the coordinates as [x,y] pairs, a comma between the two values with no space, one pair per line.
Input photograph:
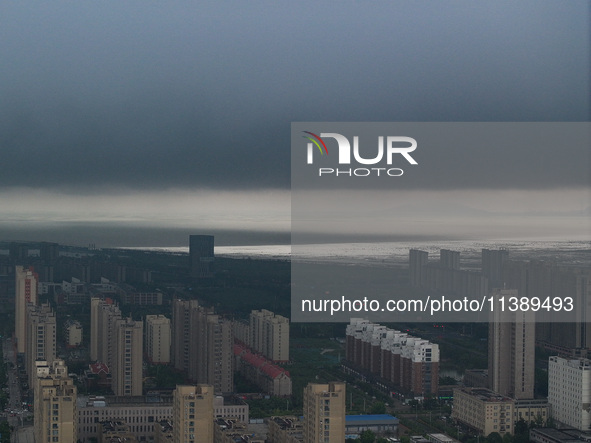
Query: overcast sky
[128,110]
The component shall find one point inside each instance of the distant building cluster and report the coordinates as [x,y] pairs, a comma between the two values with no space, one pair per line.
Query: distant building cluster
[410,364]
[76,292]
[53,264]
[512,340]
[531,278]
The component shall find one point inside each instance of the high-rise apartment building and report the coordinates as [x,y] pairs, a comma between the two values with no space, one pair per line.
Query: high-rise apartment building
[118,343]
[324,413]
[95,304]
[49,252]
[492,266]
[216,368]
[192,414]
[511,349]
[417,259]
[201,256]
[40,336]
[445,275]
[573,337]
[269,335]
[55,397]
[449,259]
[181,332]
[126,368]
[103,315]
[25,292]
[569,392]
[157,340]
[202,345]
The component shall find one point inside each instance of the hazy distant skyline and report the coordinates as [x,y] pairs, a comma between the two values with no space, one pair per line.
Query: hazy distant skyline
[178,114]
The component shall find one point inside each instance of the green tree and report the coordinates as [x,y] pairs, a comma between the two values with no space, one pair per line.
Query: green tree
[494,437]
[521,432]
[367,436]
[378,408]
[5,432]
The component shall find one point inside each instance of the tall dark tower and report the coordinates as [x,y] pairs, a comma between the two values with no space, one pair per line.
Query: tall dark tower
[201,256]
[49,252]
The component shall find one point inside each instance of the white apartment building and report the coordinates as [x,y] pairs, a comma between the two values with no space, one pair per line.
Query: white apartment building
[569,391]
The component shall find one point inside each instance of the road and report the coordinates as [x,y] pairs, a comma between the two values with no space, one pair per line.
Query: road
[20,434]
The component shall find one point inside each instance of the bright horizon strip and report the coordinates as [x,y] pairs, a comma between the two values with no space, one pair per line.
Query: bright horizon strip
[319,139]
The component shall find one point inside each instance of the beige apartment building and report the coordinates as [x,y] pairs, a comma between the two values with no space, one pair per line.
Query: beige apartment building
[95,304]
[158,339]
[511,349]
[126,369]
[55,418]
[324,412]
[118,343]
[103,315]
[269,335]
[25,292]
[192,414]
[483,410]
[40,338]
[202,345]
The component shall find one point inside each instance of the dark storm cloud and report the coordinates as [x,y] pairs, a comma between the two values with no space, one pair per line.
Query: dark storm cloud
[175,94]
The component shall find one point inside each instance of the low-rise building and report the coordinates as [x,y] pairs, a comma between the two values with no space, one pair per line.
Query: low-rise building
[441,438]
[115,431]
[272,379]
[139,413]
[536,411]
[483,410]
[73,333]
[287,429]
[379,424]
[228,430]
[143,414]
[163,432]
[230,406]
[551,435]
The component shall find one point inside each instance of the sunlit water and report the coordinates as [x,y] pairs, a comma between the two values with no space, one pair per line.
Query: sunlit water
[565,252]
